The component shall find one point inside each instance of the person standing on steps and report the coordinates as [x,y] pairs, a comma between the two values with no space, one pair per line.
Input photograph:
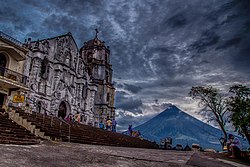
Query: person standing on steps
[108,125]
[114,123]
[78,117]
[101,125]
[67,118]
[130,131]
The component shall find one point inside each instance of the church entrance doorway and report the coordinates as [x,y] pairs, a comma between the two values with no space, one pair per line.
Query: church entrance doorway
[62,110]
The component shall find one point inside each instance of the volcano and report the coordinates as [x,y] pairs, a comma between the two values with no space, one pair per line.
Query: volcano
[182,128]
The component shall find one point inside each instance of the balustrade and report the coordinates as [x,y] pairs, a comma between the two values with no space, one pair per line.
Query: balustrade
[13,75]
[5,36]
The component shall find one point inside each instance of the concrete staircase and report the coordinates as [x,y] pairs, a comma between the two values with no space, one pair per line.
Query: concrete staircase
[12,133]
[52,128]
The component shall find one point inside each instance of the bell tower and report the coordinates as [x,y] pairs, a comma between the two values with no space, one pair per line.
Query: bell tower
[96,57]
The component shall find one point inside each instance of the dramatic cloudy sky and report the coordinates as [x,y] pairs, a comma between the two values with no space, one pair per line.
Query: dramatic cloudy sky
[159,49]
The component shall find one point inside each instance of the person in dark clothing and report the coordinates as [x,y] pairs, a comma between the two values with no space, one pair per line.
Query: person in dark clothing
[101,125]
[130,131]
[114,123]
[234,146]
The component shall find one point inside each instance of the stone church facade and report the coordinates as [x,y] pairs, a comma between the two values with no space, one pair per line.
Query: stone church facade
[64,79]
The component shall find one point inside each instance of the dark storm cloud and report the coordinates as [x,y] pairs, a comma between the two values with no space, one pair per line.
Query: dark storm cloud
[177,20]
[118,85]
[242,60]
[76,7]
[231,42]
[9,14]
[121,94]
[59,23]
[127,103]
[130,104]
[132,88]
[159,49]
[207,39]
[162,106]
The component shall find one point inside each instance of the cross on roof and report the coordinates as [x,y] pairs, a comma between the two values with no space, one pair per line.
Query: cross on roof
[96,32]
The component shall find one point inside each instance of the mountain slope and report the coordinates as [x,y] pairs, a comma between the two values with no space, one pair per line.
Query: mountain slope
[183,128]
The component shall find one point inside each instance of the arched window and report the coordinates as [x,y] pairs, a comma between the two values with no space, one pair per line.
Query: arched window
[107,97]
[45,68]
[62,110]
[3,62]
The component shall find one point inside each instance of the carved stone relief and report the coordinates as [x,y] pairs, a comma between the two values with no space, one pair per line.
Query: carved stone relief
[67,57]
[41,87]
[34,87]
[80,67]
[65,76]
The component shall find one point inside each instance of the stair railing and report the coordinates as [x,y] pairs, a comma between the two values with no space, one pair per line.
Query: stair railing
[52,115]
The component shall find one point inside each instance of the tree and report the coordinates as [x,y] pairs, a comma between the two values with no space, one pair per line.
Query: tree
[239,105]
[213,103]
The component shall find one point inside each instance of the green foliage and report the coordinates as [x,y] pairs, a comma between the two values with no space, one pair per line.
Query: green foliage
[239,106]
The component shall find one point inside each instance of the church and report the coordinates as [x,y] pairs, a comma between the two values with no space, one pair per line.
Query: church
[61,79]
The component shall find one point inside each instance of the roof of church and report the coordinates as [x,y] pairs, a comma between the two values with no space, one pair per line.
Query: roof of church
[59,36]
[93,42]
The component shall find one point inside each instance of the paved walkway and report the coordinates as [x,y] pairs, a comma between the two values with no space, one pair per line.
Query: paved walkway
[72,154]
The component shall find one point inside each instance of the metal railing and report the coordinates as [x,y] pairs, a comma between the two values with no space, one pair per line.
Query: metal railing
[13,75]
[52,117]
[9,38]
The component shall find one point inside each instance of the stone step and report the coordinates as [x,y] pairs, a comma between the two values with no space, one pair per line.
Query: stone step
[12,133]
[14,130]
[81,133]
[18,135]
[18,142]
[16,138]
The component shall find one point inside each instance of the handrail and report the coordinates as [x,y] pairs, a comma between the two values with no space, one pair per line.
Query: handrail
[13,75]
[52,117]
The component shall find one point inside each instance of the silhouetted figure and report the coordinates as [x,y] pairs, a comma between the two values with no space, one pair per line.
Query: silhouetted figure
[130,131]
[234,146]
[101,125]
[114,123]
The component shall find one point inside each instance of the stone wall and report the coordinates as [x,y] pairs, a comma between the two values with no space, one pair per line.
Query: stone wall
[57,74]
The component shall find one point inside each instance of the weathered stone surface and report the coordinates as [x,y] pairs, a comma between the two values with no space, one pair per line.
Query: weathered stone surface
[65,80]
[69,154]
